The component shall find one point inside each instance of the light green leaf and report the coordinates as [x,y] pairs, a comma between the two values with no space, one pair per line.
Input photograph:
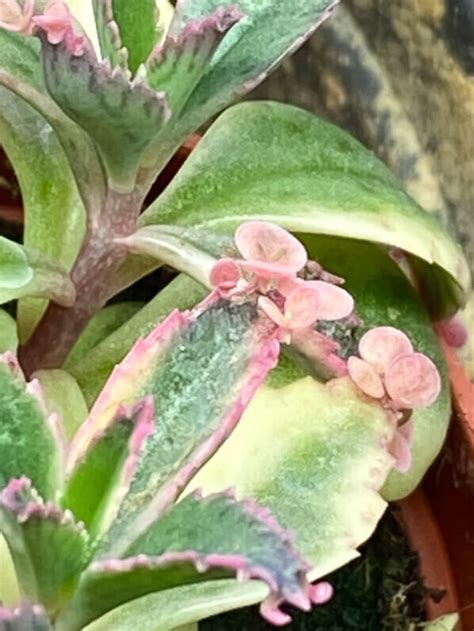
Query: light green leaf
[137,22]
[15,270]
[48,548]
[267,34]
[54,214]
[92,372]
[30,443]
[445,623]
[275,162]
[314,454]
[8,333]
[63,397]
[99,328]
[170,608]
[384,296]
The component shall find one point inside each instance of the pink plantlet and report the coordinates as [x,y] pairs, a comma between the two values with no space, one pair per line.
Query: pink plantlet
[269,251]
[335,303]
[57,23]
[366,377]
[321,593]
[381,345]
[400,447]
[225,274]
[453,331]
[15,18]
[299,311]
[412,381]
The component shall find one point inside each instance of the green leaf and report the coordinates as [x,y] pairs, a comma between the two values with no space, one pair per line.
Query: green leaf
[63,397]
[384,296]
[445,623]
[179,64]
[137,22]
[8,333]
[15,270]
[216,535]
[171,608]
[267,34]
[24,618]
[93,371]
[30,443]
[315,455]
[122,117]
[54,213]
[9,593]
[98,483]
[275,162]
[48,548]
[201,369]
[108,34]
[99,328]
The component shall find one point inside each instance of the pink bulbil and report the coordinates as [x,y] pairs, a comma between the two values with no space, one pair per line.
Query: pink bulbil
[58,25]
[272,258]
[389,370]
[15,18]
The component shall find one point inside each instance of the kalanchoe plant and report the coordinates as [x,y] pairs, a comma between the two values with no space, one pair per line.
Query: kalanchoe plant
[309,379]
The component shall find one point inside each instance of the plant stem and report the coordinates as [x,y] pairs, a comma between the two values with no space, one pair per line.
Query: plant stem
[92,275]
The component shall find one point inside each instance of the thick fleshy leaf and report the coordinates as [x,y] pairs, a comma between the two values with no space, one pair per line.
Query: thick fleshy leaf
[316,455]
[215,534]
[49,549]
[313,177]
[110,41]
[47,279]
[121,117]
[30,442]
[445,623]
[105,322]
[267,34]
[63,397]
[384,297]
[201,368]
[24,618]
[54,213]
[177,66]
[8,333]
[137,23]
[93,370]
[100,481]
[15,270]
[171,608]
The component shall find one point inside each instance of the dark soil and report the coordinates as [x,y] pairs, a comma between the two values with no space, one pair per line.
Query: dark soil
[381,591]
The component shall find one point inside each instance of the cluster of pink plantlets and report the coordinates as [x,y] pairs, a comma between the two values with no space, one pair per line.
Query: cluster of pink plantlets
[272,267]
[390,371]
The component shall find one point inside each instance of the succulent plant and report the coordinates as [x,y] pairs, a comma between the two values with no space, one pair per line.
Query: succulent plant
[301,369]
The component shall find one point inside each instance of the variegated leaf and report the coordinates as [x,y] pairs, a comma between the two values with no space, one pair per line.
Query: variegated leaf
[30,438]
[201,369]
[198,539]
[49,549]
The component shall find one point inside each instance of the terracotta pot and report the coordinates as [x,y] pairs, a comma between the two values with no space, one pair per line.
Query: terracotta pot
[439,517]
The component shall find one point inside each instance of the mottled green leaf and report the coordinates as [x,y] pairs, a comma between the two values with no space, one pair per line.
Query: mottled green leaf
[122,117]
[63,397]
[93,371]
[216,535]
[48,548]
[29,437]
[167,609]
[108,34]
[9,593]
[314,454]
[138,26]
[267,34]
[100,480]
[384,296]
[276,162]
